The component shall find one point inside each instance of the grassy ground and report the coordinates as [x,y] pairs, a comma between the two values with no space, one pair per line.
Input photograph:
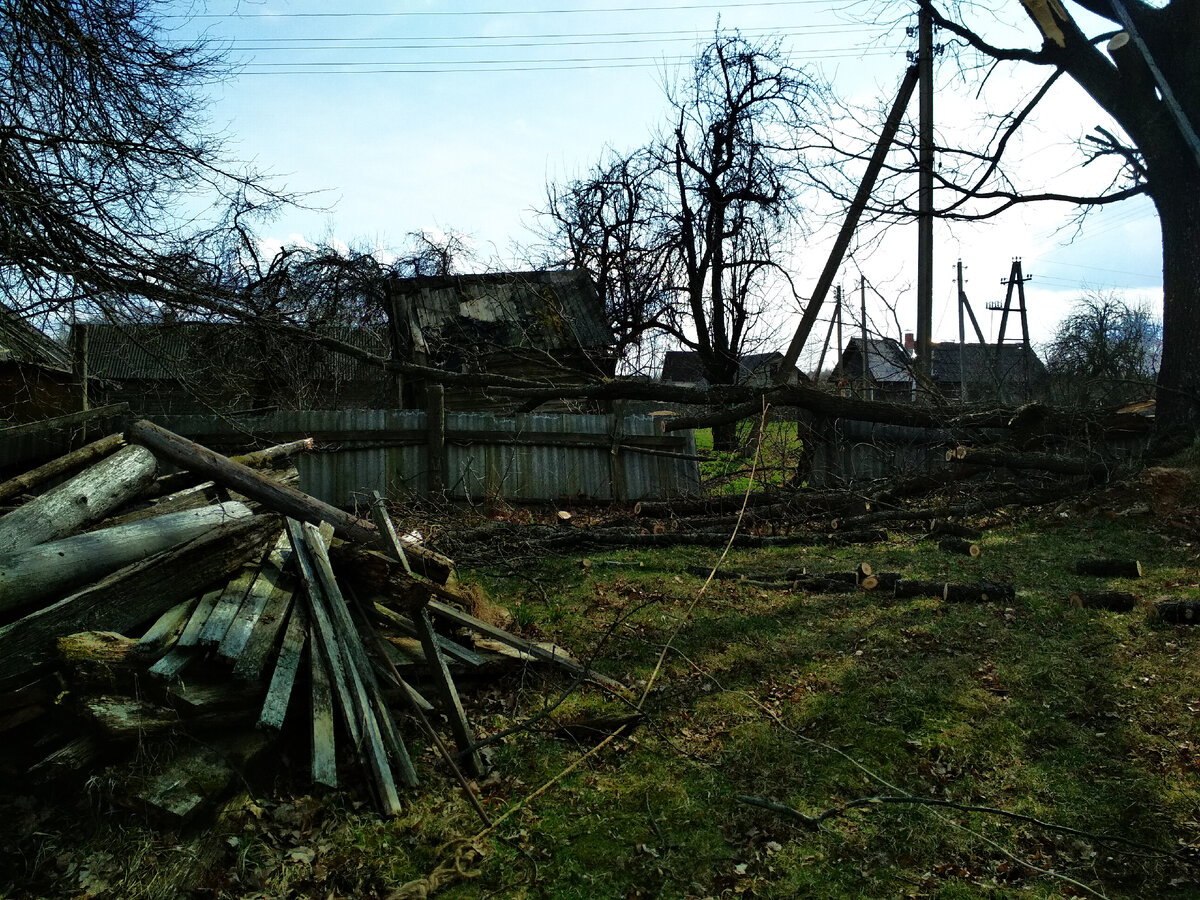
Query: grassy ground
[1072,718]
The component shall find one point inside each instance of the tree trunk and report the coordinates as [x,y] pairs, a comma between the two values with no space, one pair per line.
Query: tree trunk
[1178,410]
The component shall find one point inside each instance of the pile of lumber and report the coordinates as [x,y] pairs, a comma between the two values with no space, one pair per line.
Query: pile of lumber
[221,603]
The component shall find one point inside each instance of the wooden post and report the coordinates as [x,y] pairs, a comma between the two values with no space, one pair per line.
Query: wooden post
[71,462]
[435,447]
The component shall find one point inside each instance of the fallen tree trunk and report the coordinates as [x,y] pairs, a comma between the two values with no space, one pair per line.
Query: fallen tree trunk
[981,592]
[1178,612]
[28,576]
[86,498]
[135,594]
[915,587]
[63,465]
[959,546]
[1059,465]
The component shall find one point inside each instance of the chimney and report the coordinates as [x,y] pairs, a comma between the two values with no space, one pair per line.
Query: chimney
[909,342]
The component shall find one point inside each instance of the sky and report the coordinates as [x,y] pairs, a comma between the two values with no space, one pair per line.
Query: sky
[453,116]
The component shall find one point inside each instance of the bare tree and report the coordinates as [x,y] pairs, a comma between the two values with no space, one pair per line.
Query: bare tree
[104,156]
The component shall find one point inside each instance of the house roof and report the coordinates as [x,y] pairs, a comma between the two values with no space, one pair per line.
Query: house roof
[887,361]
[547,311]
[21,342]
[985,363]
[683,366]
[182,350]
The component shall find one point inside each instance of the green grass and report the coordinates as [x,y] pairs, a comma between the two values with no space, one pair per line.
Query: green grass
[726,472]
[1089,720]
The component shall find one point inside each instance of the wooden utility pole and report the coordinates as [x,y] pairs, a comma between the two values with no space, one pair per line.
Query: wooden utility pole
[835,319]
[825,281]
[862,300]
[925,192]
[962,339]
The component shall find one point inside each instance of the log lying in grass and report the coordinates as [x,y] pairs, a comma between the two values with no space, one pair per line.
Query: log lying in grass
[134,594]
[959,546]
[943,528]
[980,592]
[914,587]
[47,570]
[86,498]
[1177,612]
[1114,601]
[1109,568]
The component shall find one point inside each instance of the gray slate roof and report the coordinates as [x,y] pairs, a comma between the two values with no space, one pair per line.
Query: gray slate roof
[887,361]
[683,366]
[185,350]
[20,342]
[983,366]
[550,311]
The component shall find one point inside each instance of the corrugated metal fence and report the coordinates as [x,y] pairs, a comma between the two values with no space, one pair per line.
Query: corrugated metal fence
[522,458]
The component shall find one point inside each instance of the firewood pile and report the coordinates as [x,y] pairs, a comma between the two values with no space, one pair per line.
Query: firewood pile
[187,621]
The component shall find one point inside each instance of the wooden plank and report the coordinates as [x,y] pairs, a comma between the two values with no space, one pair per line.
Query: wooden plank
[133,595]
[324,748]
[448,694]
[86,498]
[226,608]
[172,665]
[287,664]
[254,658]
[161,636]
[191,631]
[323,633]
[70,421]
[365,688]
[564,662]
[450,648]
[266,583]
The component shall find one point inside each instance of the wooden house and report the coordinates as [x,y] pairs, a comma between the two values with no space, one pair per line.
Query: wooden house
[1008,373]
[880,369]
[543,326]
[36,380]
[683,367]
[202,367]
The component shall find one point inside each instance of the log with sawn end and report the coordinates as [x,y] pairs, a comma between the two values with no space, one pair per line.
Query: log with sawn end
[135,594]
[86,498]
[917,587]
[1113,601]
[959,546]
[1177,612]
[1109,568]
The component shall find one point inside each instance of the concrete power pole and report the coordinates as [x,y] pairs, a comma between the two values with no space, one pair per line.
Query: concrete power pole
[925,192]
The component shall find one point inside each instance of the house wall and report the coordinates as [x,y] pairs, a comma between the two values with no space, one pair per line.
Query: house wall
[29,393]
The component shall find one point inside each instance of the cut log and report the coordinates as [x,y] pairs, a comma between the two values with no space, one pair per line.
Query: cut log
[287,664]
[49,570]
[207,494]
[1059,465]
[982,592]
[97,659]
[1114,601]
[63,465]
[1109,568]
[126,720]
[913,587]
[945,528]
[1178,612]
[887,581]
[373,572]
[959,546]
[86,498]
[133,595]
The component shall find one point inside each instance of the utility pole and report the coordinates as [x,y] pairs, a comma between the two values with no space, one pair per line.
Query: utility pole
[836,319]
[862,299]
[962,339]
[925,191]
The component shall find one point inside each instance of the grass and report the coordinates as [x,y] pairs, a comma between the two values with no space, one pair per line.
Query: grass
[1087,720]
[727,472]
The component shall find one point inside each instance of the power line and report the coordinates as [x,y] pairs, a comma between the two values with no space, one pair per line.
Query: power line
[396,14]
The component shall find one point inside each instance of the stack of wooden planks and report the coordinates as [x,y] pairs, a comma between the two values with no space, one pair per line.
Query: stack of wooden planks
[221,602]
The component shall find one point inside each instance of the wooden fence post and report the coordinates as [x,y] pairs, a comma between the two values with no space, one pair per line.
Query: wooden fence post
[435,448]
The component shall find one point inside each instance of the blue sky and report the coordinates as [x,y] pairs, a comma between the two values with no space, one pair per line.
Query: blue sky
[435,115]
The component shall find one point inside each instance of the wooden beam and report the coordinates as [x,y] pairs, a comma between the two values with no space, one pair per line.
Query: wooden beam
[71,462]
[287,664]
